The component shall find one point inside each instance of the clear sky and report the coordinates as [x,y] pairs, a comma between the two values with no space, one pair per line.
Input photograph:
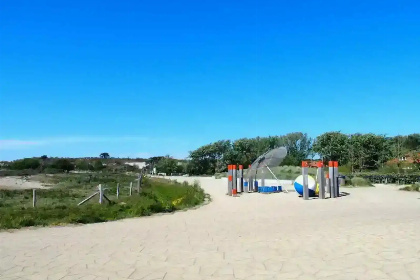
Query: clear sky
[143,78]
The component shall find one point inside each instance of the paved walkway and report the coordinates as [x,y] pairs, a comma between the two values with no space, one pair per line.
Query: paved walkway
[373,233]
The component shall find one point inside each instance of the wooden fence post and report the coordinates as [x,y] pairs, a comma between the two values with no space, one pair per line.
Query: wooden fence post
[139,183]
[101,193]
[131,188]
[34,198]
[118,190]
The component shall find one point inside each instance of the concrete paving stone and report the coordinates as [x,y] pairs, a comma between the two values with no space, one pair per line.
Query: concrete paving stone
[370,234]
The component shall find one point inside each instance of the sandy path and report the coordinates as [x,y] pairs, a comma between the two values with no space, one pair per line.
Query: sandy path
[19,183]
[371,234]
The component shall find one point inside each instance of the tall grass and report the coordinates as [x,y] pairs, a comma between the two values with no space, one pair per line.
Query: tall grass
[58,205]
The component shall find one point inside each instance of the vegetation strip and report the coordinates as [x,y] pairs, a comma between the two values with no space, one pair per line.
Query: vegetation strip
[58,205]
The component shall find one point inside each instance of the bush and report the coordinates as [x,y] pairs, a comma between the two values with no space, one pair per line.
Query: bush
[25,172]
[98,165]
[360,182]
[413,188]
[344,169]
[63,164]
[84,165]
[26,163]
[51,170]
[404,179]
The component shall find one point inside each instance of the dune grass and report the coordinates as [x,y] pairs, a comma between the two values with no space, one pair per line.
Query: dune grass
[412,188]
[58,205]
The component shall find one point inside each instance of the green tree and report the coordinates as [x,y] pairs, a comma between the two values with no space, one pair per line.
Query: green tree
[368,151]
[332,146]
[211,158]
[412,142]
[168,165]
[299,147]
[104,155]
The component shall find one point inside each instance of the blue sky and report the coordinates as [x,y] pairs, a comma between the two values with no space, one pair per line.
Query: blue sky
[143,78]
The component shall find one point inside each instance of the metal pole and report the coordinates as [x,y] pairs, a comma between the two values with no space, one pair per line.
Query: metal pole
[305,180]
[34,198]
[262,178]
[230,183]
[235,180]
[131,188]
[241,179]
[101,194]
[250,181]
[332,178]
[118,190]
[337,192]
[321,180]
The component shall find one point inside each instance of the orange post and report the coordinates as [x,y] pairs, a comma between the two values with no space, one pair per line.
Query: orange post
[234,179]
[230,183]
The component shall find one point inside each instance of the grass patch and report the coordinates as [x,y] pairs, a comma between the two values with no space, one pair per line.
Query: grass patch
[358,182]
[58,205]
[412,188]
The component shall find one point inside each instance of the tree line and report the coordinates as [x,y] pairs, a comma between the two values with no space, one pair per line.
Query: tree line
[45,164]
[358,151]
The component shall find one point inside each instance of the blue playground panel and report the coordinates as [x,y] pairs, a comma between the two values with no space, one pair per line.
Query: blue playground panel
[269,189]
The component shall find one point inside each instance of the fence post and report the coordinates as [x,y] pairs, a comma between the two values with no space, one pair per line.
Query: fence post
[118,190]
[139,183]
[321,180]
[34,198]
[131,188]
[101,193]
[305,180]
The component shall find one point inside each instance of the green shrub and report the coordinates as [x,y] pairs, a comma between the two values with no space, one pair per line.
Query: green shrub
[360,182]
[413,188]
[26,163]
[25,172]
[344,169]
[98,165]
[63,164]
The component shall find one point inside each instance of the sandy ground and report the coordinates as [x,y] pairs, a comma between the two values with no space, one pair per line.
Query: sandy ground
[19,183]
[372,233]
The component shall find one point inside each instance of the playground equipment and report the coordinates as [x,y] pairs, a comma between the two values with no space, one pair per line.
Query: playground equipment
[306,186]
[238,184]
[312,186]
[268,160]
